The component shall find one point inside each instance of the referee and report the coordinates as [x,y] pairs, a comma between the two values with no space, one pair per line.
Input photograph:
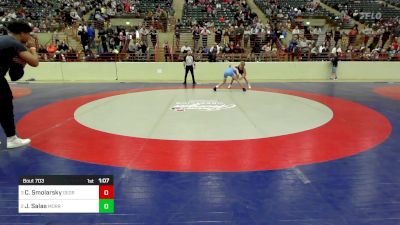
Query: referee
[189,65]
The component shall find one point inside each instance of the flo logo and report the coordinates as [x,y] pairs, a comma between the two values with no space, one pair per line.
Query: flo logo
[201,105]
[370,15]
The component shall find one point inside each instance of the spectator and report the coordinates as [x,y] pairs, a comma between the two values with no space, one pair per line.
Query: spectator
[385,36]
[367,32]
[239,35]
[296,31]
[178,24]
[246,35]
[337,36]
[266,51]
[218,35]
[43,53]
[153,36]
[103,41]
[143,34]
[352,35]
[177,37]
[395,46]
[51,48]
[196,37]
[214,51]
[74,15]
[204,35]
[255,51]
[185,48]
[205,52]
[226,36]
[253,35]
[63,47]
[142,50]
[91,36]
[334,61]
[132,46]
[167,52]
[336,50]
[292,50]
[314,52]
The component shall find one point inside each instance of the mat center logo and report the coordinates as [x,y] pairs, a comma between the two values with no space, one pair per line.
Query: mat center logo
[201,105]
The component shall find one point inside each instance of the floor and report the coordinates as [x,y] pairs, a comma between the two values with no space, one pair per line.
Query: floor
[278,154]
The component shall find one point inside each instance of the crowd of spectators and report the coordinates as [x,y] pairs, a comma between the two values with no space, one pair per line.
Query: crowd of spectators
[53,15]
[45,15]
[369,42]
[139,41]
[378,41]
[212,13]
[367,11]
[292,9]
[238,31]
[155,12]
[235,37]
[158,10]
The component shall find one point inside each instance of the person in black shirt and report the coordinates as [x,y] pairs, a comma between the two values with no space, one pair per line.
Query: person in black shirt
[337,36]
[153,36]
[142,50]
[178,25]
[243,73]
[177,37]
[218,35]
[63,47]
[13,52]
[334,61]
[167,52]
[189,65]
[103,39]
[84,39]
[3,31]
[385,37]
[256,50]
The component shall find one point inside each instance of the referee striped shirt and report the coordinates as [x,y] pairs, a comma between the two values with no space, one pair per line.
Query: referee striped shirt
[189,60]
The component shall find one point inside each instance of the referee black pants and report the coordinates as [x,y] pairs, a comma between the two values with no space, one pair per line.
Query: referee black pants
[187,69]
[6,108]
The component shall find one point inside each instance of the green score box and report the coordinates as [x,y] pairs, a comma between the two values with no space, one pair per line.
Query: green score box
[106,206]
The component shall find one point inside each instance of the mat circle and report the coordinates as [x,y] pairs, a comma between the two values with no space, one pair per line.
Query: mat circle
[354,128]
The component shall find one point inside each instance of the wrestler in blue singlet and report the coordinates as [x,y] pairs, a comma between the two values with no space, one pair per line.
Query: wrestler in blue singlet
[229,72]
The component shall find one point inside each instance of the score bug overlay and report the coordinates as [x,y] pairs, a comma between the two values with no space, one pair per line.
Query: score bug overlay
[66,194]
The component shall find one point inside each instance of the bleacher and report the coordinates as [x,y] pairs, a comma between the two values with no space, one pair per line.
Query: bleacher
[199,13]
[46,15]
[288,5]
[288,9]
[142,8]
[365,6]
[394,2]
[151,5]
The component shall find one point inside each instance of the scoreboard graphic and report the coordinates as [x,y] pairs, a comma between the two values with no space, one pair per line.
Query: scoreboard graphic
[66,194]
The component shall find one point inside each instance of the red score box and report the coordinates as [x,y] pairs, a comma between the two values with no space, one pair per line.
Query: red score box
[106,192]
